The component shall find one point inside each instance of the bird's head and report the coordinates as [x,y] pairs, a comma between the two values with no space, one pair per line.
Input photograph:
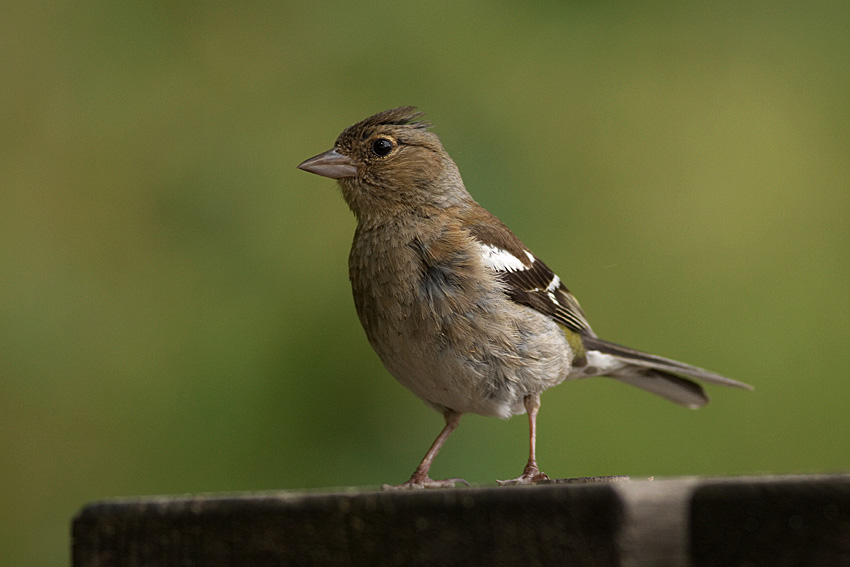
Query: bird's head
[390,163]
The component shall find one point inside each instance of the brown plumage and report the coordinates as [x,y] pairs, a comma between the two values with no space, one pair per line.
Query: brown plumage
[456,306]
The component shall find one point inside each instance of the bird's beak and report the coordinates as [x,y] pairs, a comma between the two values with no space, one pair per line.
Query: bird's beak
[330,164]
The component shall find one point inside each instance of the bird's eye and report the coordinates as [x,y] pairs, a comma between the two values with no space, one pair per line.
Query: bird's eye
[382,147]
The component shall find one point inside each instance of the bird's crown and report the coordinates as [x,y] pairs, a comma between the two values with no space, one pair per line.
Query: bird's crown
[401,116]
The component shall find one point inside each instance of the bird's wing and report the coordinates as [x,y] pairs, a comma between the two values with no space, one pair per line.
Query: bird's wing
[529,281]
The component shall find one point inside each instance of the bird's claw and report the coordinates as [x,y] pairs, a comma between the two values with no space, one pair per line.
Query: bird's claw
[421,483]
[529,476]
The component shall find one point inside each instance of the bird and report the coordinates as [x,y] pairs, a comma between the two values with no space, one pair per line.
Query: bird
[457,308]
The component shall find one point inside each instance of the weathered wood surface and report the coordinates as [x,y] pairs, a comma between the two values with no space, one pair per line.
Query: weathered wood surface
[776,521]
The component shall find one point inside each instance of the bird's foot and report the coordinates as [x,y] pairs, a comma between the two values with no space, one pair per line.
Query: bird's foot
[591,479]
[420,482]
[531,475]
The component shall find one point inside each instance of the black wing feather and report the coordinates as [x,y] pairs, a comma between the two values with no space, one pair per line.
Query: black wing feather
[532,286]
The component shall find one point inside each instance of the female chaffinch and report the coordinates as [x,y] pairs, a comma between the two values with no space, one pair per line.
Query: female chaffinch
[458,309]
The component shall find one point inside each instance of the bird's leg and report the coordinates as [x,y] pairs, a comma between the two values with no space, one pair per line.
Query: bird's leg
[531,473]
[420,478]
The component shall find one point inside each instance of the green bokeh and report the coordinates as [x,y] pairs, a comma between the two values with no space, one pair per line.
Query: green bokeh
[174,306]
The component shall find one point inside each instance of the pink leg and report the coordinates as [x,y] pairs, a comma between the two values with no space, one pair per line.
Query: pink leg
[420,478]
[531,473]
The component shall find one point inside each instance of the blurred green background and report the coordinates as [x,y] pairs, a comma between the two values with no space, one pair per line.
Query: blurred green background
[175,314]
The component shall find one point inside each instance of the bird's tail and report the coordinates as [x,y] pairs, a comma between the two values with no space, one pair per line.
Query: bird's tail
[664,377]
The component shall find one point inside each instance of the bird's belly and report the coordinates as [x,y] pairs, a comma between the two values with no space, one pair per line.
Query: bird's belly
[483,362]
